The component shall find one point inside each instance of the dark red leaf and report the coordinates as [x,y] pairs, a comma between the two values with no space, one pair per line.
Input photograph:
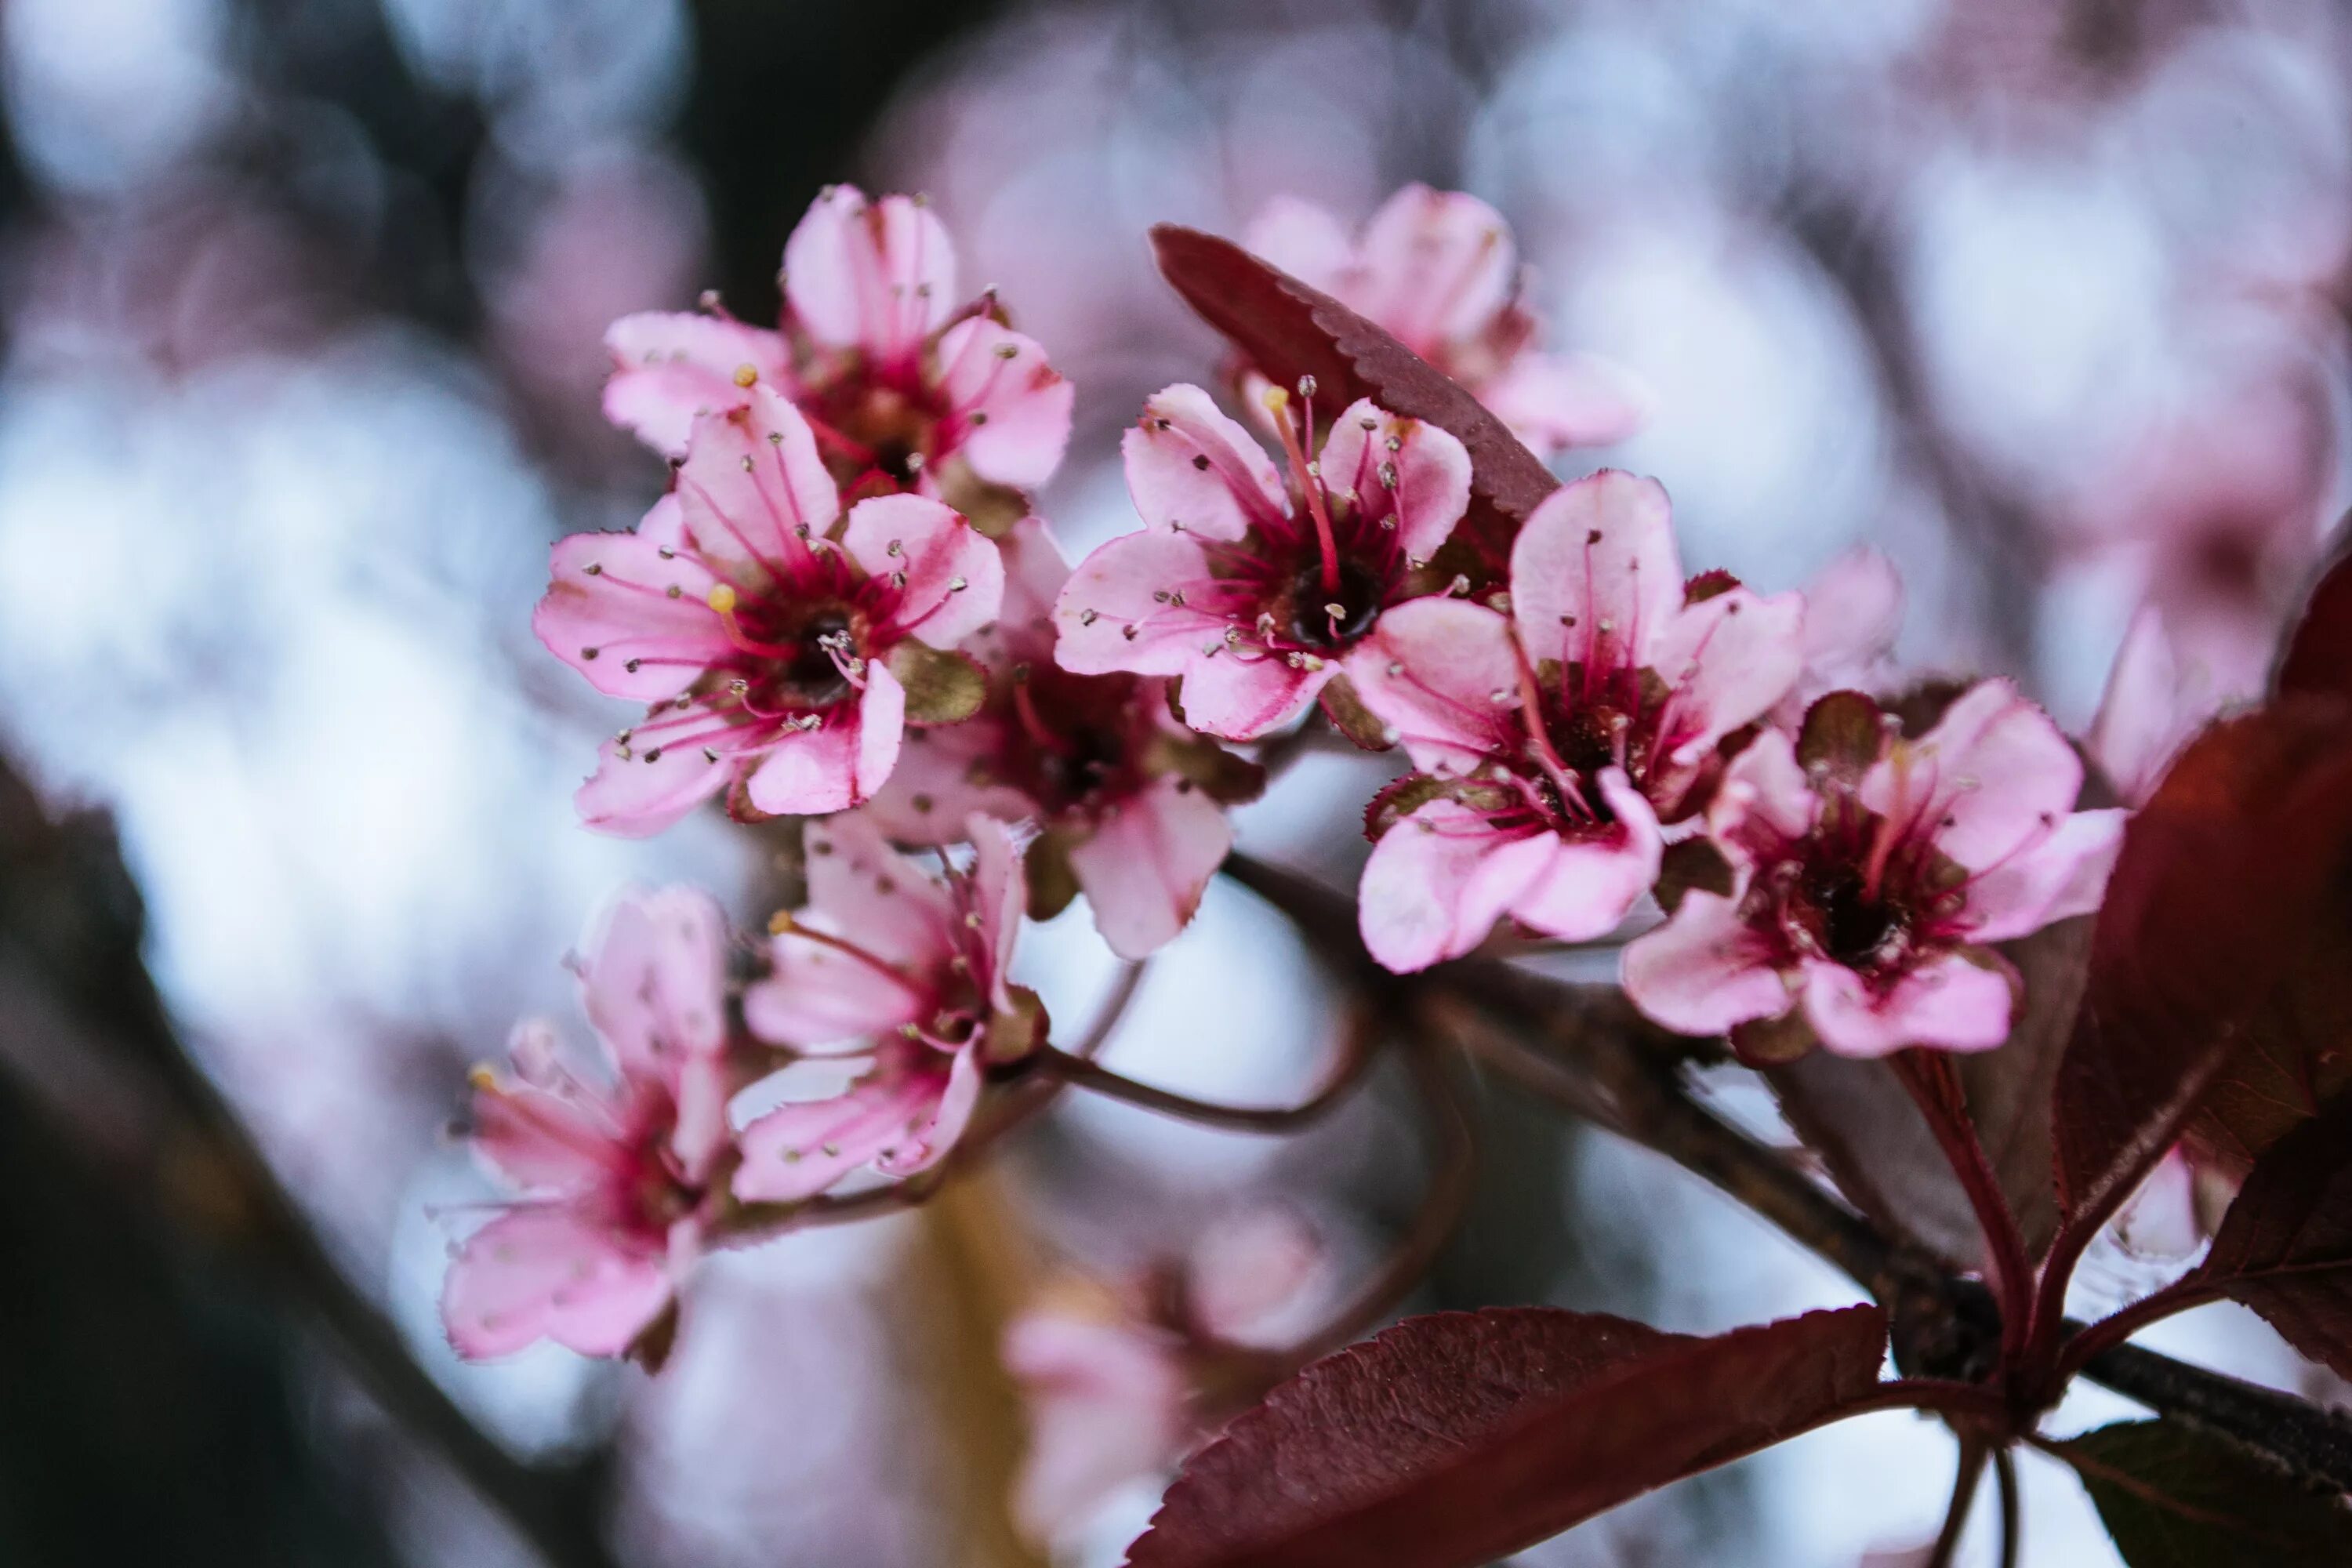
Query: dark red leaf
[2317,656]
[1289,330]
[2174,1498]
[1857,1116]
[2224,877]
[2285,1248]
[1453,1439]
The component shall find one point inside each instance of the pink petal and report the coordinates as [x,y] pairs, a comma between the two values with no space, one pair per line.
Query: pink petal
[550,1272]
[1765,800]
[1445,673]
[1106,1406]
[842,761]
[608,614]
[1853,611]
[1304,240]
[863,889]
[933,1126]
[1190,467]
[1949,1003]
[954,578]
[2151,708]
[1992,773]
[1437,266]
[1583,887]
[1705,970]
[2063,875]
[544,1141]
[1731,659]
[878,276]
[1438,881]
[1000,896]
[669,366]
[1433,473]
[1022,405]
[654,980]
[1240,697]
[1597,564]
[819,998]
[1554,402]
[795,1151]
[640,795]
[1146,867]
[1112,591]
[932,790]
[1034,571]
[750,480]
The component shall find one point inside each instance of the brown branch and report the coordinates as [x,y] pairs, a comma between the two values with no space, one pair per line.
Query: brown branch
[1583,1046]
[77,986]
[1355,1056]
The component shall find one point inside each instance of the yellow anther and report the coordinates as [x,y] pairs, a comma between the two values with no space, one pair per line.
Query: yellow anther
[780,922]
[746,374]
[723,598]
[482,1078]
[1277,402]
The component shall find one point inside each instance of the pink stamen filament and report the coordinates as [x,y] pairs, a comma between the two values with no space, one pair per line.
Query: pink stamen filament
[1310,487]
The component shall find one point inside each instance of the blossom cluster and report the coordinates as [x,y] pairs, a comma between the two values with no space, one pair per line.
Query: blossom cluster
[847,610]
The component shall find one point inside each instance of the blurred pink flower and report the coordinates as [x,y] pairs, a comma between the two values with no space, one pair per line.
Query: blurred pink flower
[1853,608]
[1867,894]
[1119,1384]
[1439,271]
[1553,741]
[1250,595]
[773,645]
[1131,803]
[901,978]
[899,382]
[613,1170]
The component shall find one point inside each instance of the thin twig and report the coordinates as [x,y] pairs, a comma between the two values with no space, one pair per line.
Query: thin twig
[1964,1495]
[1453,1167]
[2004,1475]
[1355,1056]
[1935,1090]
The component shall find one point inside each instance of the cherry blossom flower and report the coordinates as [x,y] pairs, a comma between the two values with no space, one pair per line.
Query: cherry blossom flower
[1249,593]
[615,1169]
[1869,878]
[1553,742]
[899,980]
[1438,271]
[902,385]
[1118,1383]
[1131,804]
[783,647]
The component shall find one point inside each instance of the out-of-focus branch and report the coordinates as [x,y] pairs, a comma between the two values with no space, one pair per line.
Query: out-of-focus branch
[1356,1048]
[1857,254]
[81,1024]
[1585,1049]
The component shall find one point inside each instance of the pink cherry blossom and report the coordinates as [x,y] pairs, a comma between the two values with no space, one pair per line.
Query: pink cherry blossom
[899,978]
[1555,741]
[1867,896]
[1130,799]
[1107,1400]
[1249,593]
[614,1167]
[902,385]
[1853,608]
[1439,271]
[766,630]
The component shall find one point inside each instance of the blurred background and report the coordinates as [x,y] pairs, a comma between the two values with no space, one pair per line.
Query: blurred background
[301,309]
